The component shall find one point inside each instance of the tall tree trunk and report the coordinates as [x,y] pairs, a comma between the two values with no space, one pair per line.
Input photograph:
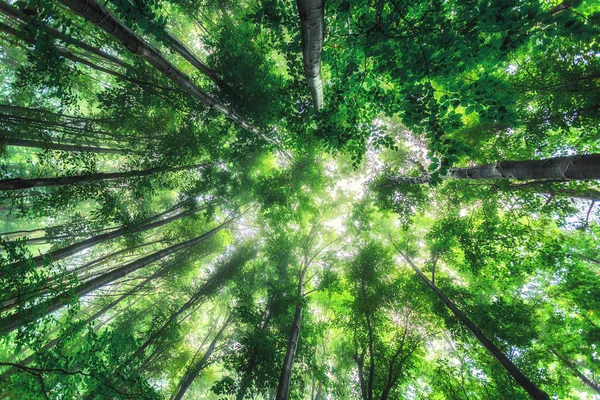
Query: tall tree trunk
[213,283]
[587,381]
[570,168]
[21,318]
[13,12]
[80,60]
[98,15]
[80,324]
[511,368]
[283,389]
[193,372]
[312,19]
[252,363]
[371,376]
[10,141]
[148,224]
[19,183]
[183,51]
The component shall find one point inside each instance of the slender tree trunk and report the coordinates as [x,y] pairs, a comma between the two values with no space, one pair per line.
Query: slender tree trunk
[214,282]
[9,141]
[186,53]
[360,363]
[588,382]
[283,390]
[148,224]
[13,12]
[570,168]
[252,363]
[78,325]
[19,183]
[511,368]
[312,19]
[193,372]
[21,318]
[98,15]
[371,376]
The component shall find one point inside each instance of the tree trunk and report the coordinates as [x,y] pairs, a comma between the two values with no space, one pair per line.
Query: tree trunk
[67,251]
[570,168]
[311,14]
[283,390]
[252,363]
[21,318]
[371,376]
[98,15]
[78,325]
[18,14]
[193,372]
[9,141]
[511,368]
[19,183]
[214,282]
[588,382]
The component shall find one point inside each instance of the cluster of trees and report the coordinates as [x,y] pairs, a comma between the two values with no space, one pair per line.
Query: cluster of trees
[299,200]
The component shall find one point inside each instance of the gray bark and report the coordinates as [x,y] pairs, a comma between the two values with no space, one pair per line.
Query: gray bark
[569,168]
[312,19]
[67,251]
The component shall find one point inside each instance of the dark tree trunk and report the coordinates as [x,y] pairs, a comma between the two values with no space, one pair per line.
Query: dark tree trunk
[148,224]
[13,12]
[79,325]
[21,318]
[193,372]
[252,363]
[283,389]
[214,282]
[99,16]
[19,183]
[511,368]
[586,381]
[10,141]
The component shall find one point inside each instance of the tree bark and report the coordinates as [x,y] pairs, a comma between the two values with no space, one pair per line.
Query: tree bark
[13,12]
[9,141]
[194,371]
[252,363]
[21,318]
[312,19]
[218,278]
[148,224]
[511,368]
[283,390]
[588,382]
[99,16]
[78,325]
[20,183]
[371,376]
[569,168]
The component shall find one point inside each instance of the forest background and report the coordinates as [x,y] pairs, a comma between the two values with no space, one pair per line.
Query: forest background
[297,200]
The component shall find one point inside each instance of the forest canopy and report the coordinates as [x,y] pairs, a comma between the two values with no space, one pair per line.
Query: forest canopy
[277,199]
